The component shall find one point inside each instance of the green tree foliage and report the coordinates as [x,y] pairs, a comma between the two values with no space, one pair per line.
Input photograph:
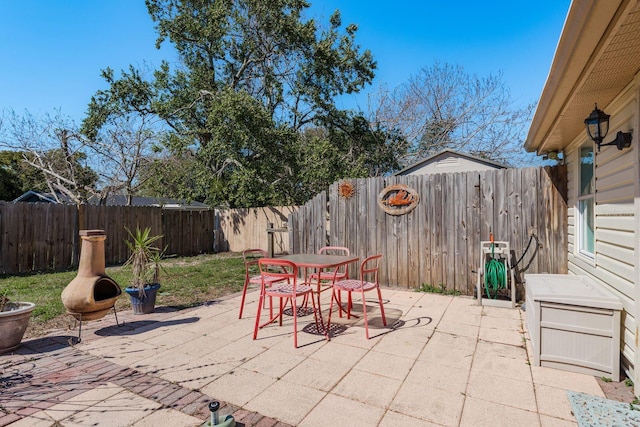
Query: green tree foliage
[13,176]
[180,175]
[255,79]
[352,150]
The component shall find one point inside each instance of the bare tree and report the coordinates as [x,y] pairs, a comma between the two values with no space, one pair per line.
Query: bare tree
[121,148]
[76,166]
[444,107]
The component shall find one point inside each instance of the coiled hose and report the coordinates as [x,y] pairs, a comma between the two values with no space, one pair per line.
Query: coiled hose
[495,274]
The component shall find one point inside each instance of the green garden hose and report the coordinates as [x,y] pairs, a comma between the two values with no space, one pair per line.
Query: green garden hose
[495,275]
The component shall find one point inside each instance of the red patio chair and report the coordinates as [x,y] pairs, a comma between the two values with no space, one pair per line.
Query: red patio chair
[289,291]
[251,257]
[341,274]
[369,268]
[328,277]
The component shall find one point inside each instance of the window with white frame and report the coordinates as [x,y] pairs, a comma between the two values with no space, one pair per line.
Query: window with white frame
[586,202]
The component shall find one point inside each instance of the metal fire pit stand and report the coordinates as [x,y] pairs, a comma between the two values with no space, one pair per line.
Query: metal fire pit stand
[79,318]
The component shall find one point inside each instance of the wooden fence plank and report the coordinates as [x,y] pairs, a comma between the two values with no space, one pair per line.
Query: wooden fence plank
[473,217]
[437,276]
[401,237]
[450,229]
[375,187]
[413,237]
[460,234]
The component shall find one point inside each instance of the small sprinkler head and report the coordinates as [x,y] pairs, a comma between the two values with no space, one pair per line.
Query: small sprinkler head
[214,405]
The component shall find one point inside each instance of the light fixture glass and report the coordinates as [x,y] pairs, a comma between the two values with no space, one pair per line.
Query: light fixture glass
[597,125]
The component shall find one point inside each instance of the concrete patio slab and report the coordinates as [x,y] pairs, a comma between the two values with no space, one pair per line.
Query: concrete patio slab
[337,411]
[394,419]
[547,421]
[566,380]
[428,403]
[481,413]
[441,360]
[502,390]
[440,376]
[323,376]
[379,392]
[286,401]
[239,385]
[553,402]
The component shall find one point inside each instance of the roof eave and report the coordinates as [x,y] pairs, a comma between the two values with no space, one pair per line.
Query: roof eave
[584,28]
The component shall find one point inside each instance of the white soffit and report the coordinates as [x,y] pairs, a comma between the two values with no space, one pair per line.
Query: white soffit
[597,56]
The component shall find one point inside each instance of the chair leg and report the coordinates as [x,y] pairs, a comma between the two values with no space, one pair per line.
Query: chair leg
[255,330]
[295,322]
[270,307]
[349,302]
[333,296]
[244,294]
[364,313]
[384,318]
[315,314]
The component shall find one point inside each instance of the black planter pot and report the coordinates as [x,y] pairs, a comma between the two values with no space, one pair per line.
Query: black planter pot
[146,304]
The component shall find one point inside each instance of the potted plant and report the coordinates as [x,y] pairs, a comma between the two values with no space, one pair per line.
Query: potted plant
[145,262]
[14,318]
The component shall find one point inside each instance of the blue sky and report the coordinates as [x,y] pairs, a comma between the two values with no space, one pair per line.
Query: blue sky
[52,51]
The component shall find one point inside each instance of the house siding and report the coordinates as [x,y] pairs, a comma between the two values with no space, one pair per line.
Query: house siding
[615,261]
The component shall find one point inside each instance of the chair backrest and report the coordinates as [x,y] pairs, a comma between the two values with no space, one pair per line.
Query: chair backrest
[370,267]
[334,250]
[279,268]
[337,250]
[251,257]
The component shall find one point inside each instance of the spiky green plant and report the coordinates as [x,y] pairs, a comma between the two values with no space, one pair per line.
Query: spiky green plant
[144,259]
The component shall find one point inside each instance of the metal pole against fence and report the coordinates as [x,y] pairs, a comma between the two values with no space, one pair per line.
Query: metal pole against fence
[270,231]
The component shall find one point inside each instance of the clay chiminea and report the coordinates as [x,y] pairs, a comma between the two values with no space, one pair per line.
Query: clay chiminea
[92,293]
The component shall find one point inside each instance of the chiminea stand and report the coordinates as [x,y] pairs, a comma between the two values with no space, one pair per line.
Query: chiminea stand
[92,293]
[78,318]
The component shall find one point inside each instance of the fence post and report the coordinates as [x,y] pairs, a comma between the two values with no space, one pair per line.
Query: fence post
[270,243]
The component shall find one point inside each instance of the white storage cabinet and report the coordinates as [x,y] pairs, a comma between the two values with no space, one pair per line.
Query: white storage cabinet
[574,324]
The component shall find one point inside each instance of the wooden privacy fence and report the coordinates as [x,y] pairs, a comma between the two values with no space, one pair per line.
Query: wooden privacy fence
[240,229]
[438,243]
[45,236]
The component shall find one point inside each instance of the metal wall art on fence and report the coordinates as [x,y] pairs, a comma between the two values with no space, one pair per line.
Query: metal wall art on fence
[346,189]
[398,199]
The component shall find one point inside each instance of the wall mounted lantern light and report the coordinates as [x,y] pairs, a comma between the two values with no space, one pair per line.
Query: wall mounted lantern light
[597,125]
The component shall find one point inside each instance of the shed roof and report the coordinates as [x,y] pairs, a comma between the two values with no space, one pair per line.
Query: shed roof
[443,153]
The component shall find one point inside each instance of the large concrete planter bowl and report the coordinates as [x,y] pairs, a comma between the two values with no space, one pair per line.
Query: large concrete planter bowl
[13,322]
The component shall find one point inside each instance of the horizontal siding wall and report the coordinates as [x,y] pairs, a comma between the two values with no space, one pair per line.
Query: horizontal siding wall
[614,265]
